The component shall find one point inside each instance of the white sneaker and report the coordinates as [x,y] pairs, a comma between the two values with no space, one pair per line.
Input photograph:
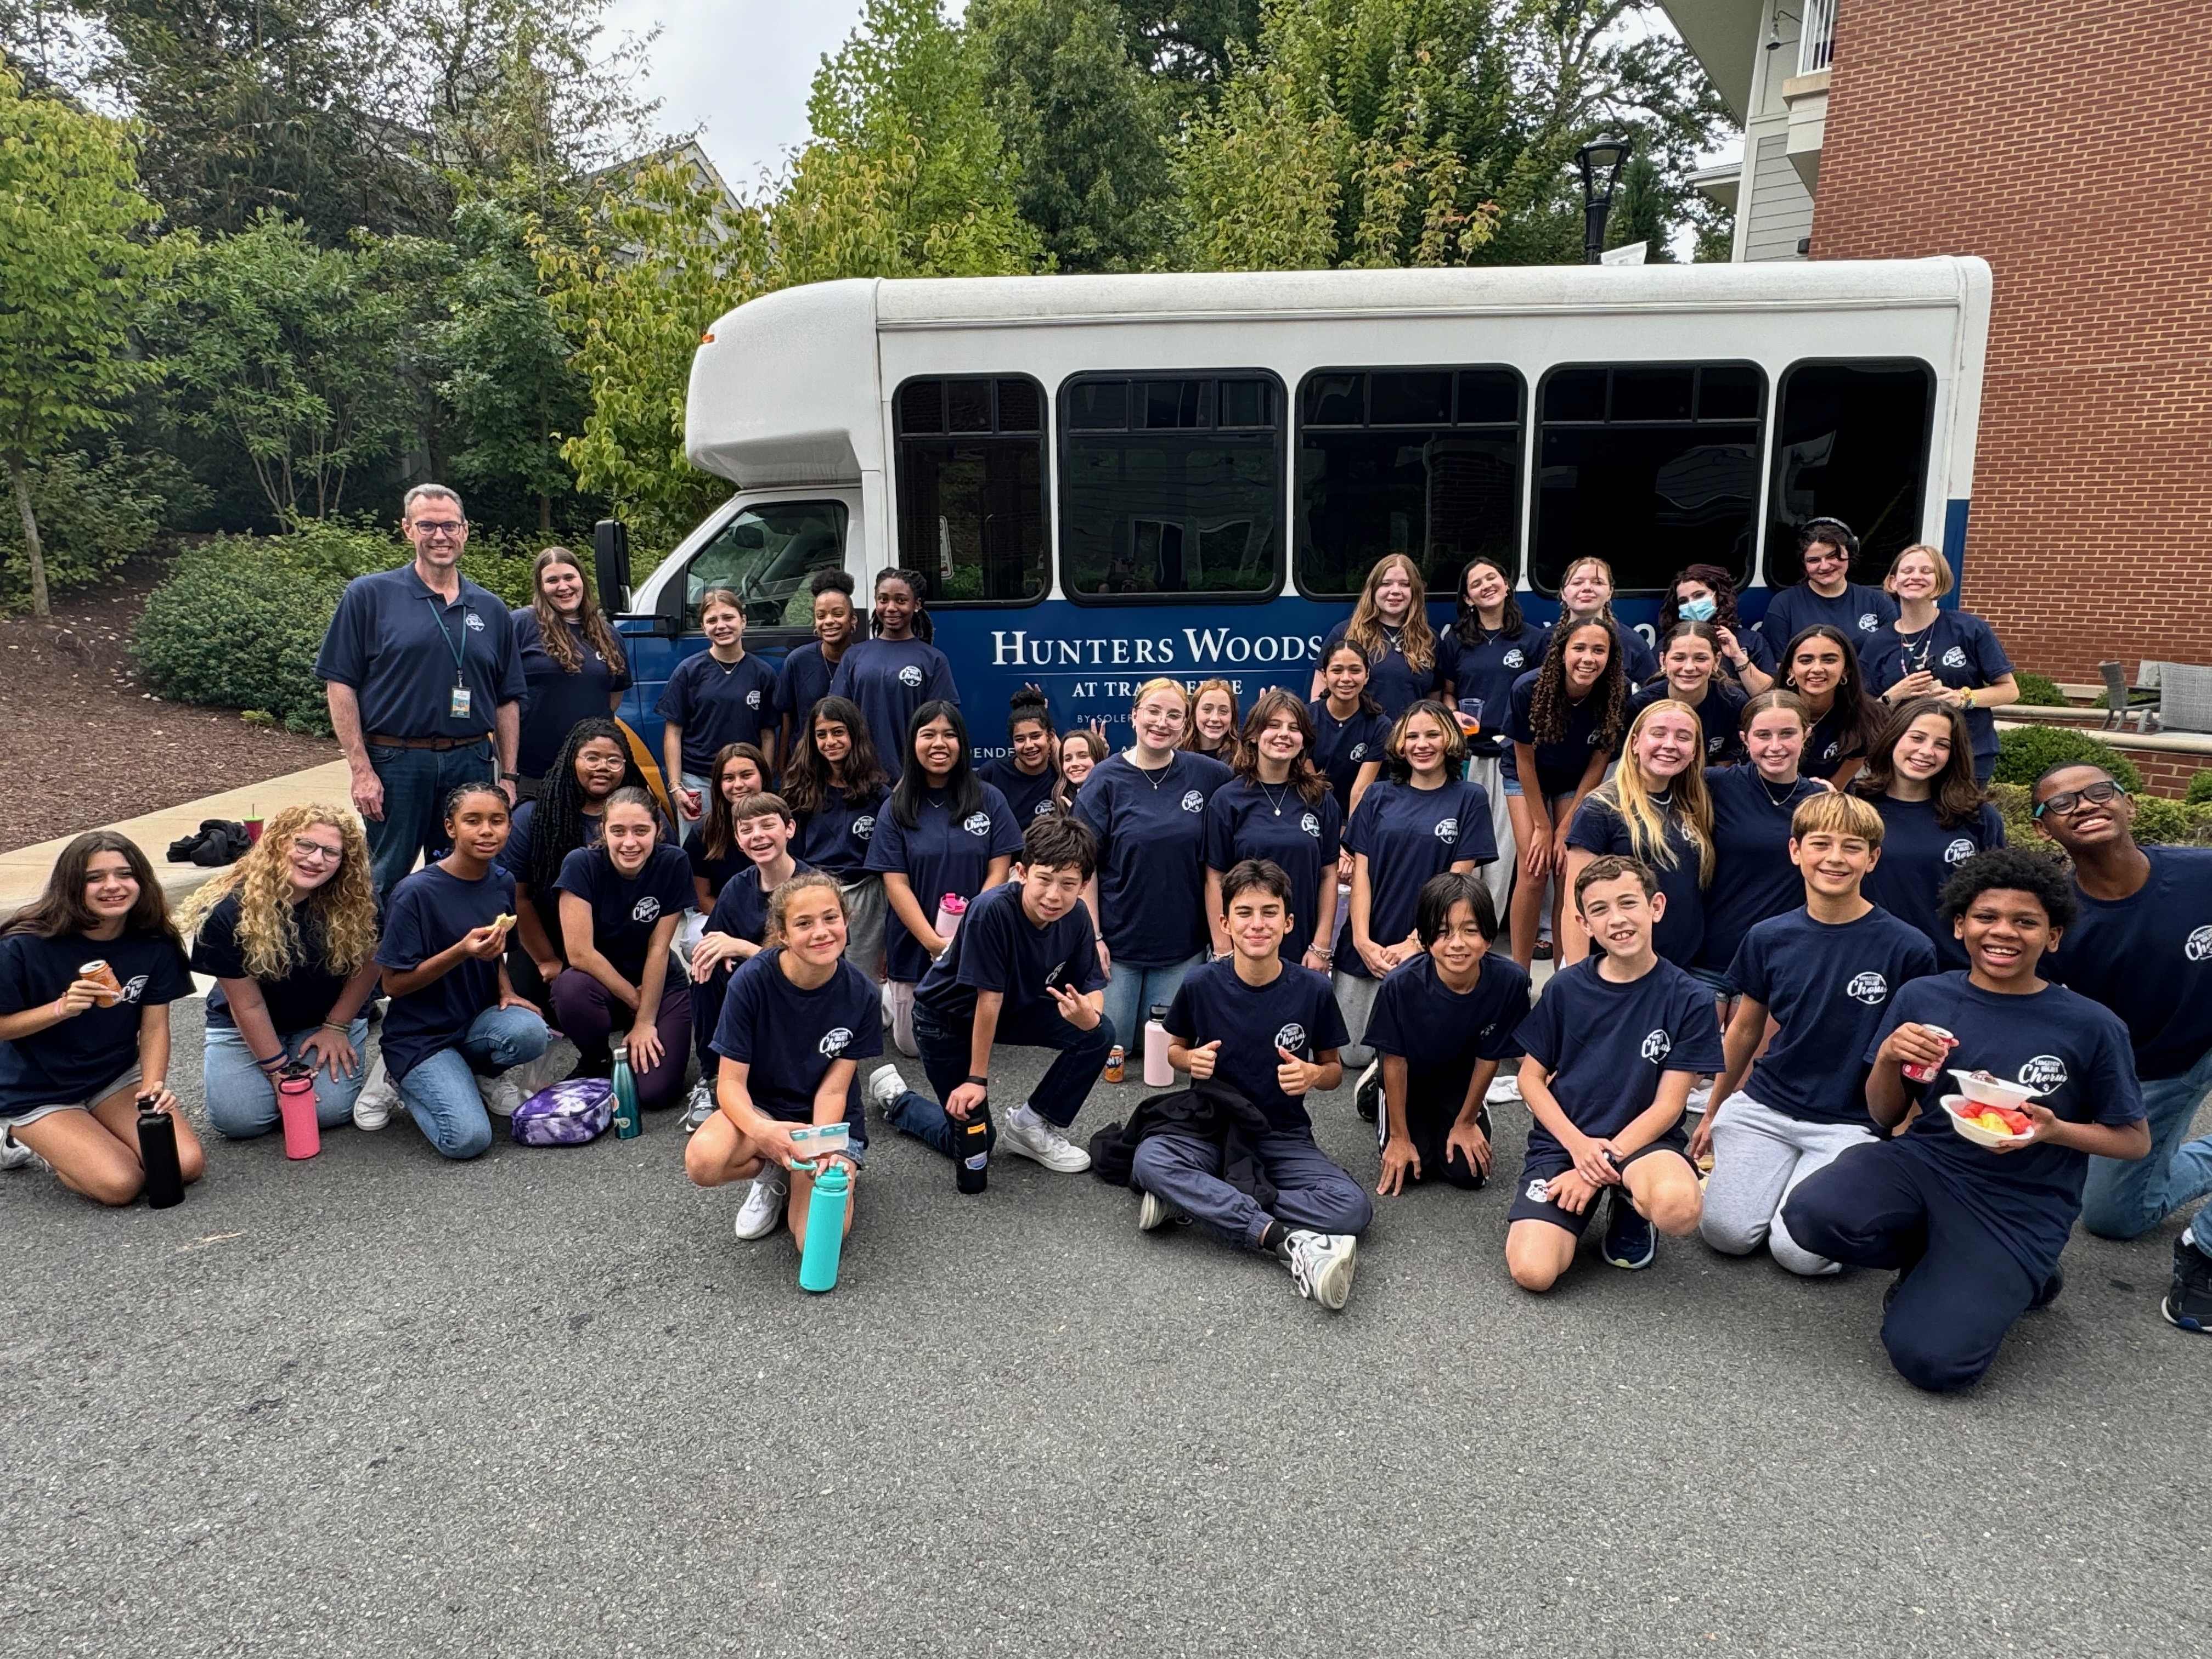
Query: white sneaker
[762,1210]
[1504,1089]
[14,1154]
[1156,1212]
[500,1094]
[378,1100]
[1321,1265]
[699,1107]
[1037,1140]
[886,1085]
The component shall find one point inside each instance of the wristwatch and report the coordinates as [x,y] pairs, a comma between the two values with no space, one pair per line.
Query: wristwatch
[980,1082]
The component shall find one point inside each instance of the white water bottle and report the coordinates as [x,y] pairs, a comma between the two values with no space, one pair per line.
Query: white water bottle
[950,910]
[1158,1074]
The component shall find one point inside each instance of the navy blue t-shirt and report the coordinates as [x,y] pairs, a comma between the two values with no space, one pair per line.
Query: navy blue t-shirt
[2148,959]
[1272,821]
[1391,680]
[1918,855]
[1858,613]
[1442,1034]
[514,857]
[1960,650]
[1409,835]
[1827,985]
[1026,797]
[790,1038]
[890,679]
[1829,744]
[1560,765]
[1752,876]
[65,1064]
[1607,1045]
[803,681]
[1758,648]
[553,700]
[938,856]
[1342,747]
[300,1001]
[1296,1011]
[428,912]
[718,703]
[998,948]
[1152,855]
[1599,827]
[395,642]
[741,908]
[2073,1052]
[1638,660]
[1720,717]
[1483,674]
[625,909]
[836,838]
[716,872]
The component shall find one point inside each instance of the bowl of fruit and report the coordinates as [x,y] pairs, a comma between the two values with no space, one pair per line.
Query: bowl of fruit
[1985,1124]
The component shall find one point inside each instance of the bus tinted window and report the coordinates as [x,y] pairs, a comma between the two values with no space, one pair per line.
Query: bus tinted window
[1423,462]
[1852,444]
[1170,486]
[971,488]
[766,553]
[1651,467]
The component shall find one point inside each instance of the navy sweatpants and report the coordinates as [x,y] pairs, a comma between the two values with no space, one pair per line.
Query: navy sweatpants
[1885,1205]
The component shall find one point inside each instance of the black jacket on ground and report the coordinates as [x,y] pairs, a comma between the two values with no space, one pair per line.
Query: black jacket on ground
[1209,1110]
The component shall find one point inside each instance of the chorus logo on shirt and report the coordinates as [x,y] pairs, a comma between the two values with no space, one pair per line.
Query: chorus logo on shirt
[1292,1036]
[1868,988]
[1657,1045]
[134,987]
[2199,946]
[1868,622]
[1193,801]
[472,620]
[1954,657]
[1042,809]
[1829,753]
[834,1042]
[1311,825]
[2044,1073]
[1513,659]
[1357,751]
[1959,851]
[752,698]
[646,909]
[1447,830]
[910,677]
[1539,1191]
[1715,744]
[864,826]
[976,823]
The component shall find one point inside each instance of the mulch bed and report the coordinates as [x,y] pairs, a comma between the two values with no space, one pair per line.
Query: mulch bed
[87,745]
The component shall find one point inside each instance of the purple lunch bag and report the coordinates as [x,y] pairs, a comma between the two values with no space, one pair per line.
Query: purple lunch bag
[566,1114]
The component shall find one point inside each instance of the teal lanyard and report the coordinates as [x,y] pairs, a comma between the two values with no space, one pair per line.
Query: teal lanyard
[460,668]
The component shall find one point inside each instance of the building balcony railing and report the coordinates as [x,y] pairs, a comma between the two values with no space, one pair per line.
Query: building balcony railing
[1816,36]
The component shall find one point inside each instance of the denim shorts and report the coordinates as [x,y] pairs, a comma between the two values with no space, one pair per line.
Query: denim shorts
[22,1115]
[1714,979]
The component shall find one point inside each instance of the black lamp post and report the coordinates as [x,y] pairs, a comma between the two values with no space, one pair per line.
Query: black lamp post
[1600,160]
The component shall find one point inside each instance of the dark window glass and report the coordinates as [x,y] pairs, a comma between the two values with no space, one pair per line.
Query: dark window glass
[1383,468]
[1650,467]
[1186,500]
[971,502]
[1852,444]
[766,553]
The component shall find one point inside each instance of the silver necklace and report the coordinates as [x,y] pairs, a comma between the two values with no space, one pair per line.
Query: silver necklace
[1274,800]
[1783,801]
[1146,773]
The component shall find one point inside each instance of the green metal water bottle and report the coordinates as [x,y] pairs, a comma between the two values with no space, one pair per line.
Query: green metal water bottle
[825,1229]
[627,1125]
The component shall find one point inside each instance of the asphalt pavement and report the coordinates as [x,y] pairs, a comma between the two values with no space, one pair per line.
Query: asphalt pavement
[544,1402]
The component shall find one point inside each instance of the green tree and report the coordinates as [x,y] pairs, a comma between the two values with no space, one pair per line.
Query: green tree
[74,268]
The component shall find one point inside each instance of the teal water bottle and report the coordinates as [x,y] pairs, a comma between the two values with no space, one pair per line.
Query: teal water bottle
[627,1123]
[825,1230]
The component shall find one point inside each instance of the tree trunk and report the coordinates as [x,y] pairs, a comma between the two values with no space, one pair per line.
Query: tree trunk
[32,549]
[545,513]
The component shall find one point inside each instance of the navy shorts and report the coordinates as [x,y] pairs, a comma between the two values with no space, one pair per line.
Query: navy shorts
[1532,1203]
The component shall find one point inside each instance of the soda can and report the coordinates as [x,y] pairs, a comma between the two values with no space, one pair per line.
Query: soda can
[1929,1073]
[98,970]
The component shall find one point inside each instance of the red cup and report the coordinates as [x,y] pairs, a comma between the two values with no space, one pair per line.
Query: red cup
[253,832]
[1929,1073]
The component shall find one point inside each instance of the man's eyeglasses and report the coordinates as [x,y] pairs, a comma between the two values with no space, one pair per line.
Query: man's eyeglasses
[315,849]
[441,527]
[2067,801]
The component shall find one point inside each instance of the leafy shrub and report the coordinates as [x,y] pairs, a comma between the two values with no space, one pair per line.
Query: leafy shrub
[2159,822]
[237,626]
[2199,792]
[2026,752]
[93,513]
[2038,690]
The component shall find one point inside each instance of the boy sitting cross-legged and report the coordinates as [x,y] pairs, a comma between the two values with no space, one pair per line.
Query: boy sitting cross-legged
[1611,1049]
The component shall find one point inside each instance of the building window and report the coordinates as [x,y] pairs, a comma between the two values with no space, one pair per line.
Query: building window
[1851,444]
[1650,466]
[971,488]
[1425,462]
[1170,487]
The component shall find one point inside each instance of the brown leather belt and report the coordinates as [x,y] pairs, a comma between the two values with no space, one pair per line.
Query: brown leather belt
[438,744]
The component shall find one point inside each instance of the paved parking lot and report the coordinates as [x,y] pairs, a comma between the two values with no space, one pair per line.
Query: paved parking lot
[544,1403]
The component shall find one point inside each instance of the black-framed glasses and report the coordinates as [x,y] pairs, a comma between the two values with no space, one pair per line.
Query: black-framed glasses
[315,849]
[2066,801]
[441,527]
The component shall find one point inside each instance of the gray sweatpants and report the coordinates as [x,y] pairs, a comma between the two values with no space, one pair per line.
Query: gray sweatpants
[1759,1155]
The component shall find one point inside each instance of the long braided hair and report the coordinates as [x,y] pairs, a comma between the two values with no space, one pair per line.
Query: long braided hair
[1551,709]
[556,822]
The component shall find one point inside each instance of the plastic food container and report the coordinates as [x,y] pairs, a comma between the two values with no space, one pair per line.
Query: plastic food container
[1979,1133]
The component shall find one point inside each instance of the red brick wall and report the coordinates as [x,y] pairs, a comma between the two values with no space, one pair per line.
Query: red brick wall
[2064,142]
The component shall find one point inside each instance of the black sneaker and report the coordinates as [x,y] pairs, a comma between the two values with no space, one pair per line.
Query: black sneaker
[1631,1239]
[2049,1293]
[591,1066]
[1367,1093]
[2188,1303]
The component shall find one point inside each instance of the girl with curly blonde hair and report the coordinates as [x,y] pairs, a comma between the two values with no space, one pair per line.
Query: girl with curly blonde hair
[289,933]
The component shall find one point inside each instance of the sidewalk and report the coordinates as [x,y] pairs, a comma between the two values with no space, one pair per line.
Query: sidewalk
[23,872]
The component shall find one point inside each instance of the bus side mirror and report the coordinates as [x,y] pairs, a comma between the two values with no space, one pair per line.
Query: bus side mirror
[610,564]
[668,609]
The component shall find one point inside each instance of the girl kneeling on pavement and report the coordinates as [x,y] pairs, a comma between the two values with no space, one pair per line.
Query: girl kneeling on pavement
[78,1048]
[454,1024]
[289,933]
[796,1022]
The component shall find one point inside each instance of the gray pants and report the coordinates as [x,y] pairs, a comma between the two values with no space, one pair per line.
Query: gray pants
[1759,1155]
[1355,1000]
[1485,770]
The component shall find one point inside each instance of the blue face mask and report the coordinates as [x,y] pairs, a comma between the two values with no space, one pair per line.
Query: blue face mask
[1697,609]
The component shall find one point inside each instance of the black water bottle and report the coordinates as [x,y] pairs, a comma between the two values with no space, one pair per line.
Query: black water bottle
[971,1149]
[157,1151]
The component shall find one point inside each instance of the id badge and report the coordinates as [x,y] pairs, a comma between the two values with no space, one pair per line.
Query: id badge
[458,706]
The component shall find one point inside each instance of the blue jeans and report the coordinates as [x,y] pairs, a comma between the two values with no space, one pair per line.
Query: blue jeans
[242,1099]
[1058,1096]
[2126,1200]
[1134,992]
[440,1092]
[1310,1191]
[416,784]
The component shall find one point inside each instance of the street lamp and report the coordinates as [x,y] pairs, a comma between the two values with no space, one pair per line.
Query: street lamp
[1600,160]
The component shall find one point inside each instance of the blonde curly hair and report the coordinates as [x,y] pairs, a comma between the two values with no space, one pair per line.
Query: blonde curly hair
[268,920]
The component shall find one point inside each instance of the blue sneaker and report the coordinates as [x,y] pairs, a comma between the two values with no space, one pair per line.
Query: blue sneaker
[1631,1241]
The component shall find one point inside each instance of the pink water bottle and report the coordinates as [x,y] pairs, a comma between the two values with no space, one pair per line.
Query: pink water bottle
[950,910]
[1158,1074]
[295,1103]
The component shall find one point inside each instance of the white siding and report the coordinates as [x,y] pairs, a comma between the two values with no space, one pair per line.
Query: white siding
[1781,208]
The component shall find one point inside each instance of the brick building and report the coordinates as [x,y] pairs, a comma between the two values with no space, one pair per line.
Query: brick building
[2062,141]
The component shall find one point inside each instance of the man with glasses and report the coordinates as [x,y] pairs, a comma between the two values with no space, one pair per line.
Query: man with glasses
[1827,594]
[2143,948]
[423,676]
